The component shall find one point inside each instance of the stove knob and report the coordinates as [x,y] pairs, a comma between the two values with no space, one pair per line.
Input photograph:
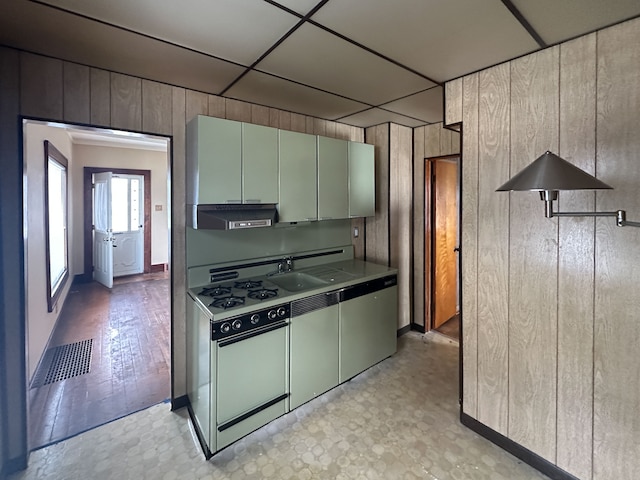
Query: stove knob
[282,311]
[255,318]
[225,327]
[272,314]
[237,324]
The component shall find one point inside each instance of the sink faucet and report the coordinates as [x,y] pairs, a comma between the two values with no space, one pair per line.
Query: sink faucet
[285,265]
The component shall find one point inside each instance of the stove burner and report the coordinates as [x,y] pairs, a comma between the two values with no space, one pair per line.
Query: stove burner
[216,291]
[263,294]
[247,284]
[227,302]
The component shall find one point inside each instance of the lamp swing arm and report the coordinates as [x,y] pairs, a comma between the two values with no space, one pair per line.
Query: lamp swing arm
[620,215]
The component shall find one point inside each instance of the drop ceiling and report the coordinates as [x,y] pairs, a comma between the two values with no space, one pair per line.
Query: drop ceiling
[361,62]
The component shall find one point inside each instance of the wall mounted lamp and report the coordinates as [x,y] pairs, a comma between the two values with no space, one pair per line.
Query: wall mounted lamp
[549,174]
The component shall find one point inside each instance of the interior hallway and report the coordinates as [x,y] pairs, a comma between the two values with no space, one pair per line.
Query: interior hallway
[130,361]
[397,420]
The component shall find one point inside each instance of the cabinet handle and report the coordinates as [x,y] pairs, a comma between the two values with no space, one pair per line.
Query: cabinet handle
[311,219]
[326,218]
[233,201]
[253,200]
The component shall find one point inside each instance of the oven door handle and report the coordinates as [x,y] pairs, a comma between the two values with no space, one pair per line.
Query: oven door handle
[251,413]
[252,333]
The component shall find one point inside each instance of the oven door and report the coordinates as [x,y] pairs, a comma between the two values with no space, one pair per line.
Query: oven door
[252,381]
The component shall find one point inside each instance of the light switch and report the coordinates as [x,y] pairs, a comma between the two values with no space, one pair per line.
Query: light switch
[158,208]
[356,232]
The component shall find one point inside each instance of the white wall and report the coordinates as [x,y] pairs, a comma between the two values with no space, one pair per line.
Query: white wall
[40,322]
[131,158]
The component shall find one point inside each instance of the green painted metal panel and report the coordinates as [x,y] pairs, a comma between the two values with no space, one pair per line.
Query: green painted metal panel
[259,164]
[333,177]
[368,331]
[298,177]
[314,354]
[362,181]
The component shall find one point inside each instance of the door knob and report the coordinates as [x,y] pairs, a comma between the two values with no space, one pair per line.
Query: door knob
[456,249]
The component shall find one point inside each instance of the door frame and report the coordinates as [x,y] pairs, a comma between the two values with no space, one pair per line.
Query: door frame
[88,215]
[430,270]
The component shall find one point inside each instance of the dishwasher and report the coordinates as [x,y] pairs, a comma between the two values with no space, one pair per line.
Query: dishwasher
[368,324]
[314,346]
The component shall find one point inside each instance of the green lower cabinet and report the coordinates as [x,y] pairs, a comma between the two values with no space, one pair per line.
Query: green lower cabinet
[314,354]
[368,326]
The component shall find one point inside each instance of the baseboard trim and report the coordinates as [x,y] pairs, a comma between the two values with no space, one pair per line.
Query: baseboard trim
[404,330]
[159,267]
[13,465]
[527,456]
[418,328]
[179,402]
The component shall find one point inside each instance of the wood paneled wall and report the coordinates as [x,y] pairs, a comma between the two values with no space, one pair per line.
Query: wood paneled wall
[430,141]
[550,308]
[53,89]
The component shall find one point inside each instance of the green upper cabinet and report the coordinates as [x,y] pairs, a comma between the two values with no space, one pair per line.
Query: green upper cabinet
[259,164]
[362,180]
[298,178]
[333,178]
[214,161]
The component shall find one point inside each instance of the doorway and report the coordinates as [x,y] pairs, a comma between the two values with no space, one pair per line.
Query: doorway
[127,230]
[444,244]
[120,338]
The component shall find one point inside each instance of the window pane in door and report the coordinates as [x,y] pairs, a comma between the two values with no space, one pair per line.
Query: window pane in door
[135,204]
[119,204]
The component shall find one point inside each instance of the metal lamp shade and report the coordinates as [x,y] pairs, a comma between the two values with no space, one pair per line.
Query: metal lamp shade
[549,172]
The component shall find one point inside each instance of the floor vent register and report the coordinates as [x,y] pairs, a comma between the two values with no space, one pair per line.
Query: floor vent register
[63,362]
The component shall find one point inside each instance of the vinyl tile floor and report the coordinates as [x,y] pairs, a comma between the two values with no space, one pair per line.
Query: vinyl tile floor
[397,420]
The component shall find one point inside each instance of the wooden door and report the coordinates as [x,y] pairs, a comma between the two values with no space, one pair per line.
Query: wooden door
[103,234]
[445,239]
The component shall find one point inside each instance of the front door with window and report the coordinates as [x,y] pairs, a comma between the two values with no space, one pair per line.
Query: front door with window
[127,223]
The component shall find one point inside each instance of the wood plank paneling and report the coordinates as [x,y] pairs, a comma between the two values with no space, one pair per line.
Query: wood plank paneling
[100,97]
[377,234]
[445,141]
[77,93]
[330,128]
[469,246]
[418,315]
[453,101]
[178,244]
[533,257]
[238,111]
[320,127]
[432,140]
[260,115]
[310,125]
[156,107]
[616,423]
[126,102]
[12,311]
[285,120]
[274,118]
[493,247]
[298,123]
[217,106]
[40,86]
[343,131]
[575,260]
[196,103]
[455,142]
[400,231]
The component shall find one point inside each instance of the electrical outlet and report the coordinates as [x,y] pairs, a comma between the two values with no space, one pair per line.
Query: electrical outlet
[158,208]
[356,232]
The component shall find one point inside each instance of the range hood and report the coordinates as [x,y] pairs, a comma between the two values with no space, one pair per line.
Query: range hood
[231,216]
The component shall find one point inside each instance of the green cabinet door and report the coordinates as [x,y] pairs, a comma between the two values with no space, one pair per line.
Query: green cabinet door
[314,354]
[259,164]
[297,177]
[362,180]
[368,331]
[214,161]
[333,177]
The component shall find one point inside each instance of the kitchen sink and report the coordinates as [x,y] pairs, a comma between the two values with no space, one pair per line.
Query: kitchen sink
[296,281]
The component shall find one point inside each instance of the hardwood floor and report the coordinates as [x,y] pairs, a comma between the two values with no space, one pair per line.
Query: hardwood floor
[451,328]
[130,367]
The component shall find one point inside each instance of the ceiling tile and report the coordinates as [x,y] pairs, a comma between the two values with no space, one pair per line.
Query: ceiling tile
[558,21]
[236,30]
[264,89]
[315,57]
[98,45]
[376,116]
[427,105]
[300,6]
[438,38]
